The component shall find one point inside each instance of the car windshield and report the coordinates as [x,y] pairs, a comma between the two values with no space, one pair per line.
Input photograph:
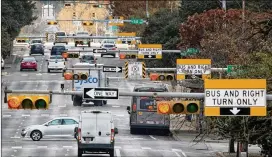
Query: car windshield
[58,48]
[36,41]
[29,59]
[108,45]
[88,57]
[56,57]
[60,34]
[36,46]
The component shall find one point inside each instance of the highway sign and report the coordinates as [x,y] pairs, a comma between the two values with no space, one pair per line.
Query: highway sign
[235,97]
[112,69]
[150,51]
[116,21]
[234,69]
[50,37]
[126,38]
[137,21]
[135,70]
[99,50]
[100,93]
[190,51]
[193,68]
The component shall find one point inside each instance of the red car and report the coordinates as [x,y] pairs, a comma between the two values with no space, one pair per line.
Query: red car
[29,63]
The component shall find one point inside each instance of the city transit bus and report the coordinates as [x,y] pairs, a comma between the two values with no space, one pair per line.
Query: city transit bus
[143,111]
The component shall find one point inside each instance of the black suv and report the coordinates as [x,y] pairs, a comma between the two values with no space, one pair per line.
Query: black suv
[37,49]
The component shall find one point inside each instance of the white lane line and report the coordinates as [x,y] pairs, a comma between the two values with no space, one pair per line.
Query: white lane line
[179,150]
[117,147]
[25,115]
[138,138]
[120,115]
[146,148]
[62,106]
[115,106]
[63,115]
[15,137]
[19,147]
[7,115]
[67,146]
[177,154]
[24,74]
[41,146]
[152,137]
[118,153]
[39,74]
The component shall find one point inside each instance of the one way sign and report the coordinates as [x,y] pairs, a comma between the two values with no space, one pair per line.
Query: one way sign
[112,69]
[100,93]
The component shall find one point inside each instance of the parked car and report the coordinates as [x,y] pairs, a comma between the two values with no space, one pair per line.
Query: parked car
[36,49]
[57,127]
[28,63]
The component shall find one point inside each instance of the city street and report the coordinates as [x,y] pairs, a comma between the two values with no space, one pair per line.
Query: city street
[126,144]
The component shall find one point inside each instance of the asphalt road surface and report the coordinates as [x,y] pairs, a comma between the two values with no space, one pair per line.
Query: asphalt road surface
[126,145]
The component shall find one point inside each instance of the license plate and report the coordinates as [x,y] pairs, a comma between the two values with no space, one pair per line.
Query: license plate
[149,122]
[27,63]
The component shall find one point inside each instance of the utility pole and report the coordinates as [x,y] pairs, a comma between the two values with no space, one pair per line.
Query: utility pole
[224,4]
[146,7]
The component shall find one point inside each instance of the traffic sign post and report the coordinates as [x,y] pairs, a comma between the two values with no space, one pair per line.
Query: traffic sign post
[136,21]
[191,68]
[99,50]
[100,93]
[112,69]
[150,51]
[116,21]
[135,70]
[235,97]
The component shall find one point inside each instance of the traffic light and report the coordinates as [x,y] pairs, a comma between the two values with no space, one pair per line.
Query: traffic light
[52,22]
[87,23]
[74,14]
[178,107]
[127,56]
[162,77]
[97,6]
[70,55]
[22,40]
[94,15]
[78,76]
[28,101]
[67,4]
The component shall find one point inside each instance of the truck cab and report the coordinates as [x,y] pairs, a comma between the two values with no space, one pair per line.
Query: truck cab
[61,40]
[96,78]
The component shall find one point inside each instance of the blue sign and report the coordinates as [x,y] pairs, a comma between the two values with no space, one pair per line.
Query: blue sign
[91,82]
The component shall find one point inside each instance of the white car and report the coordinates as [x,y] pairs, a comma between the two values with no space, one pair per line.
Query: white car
[55,63]
[2,63]
[57,127]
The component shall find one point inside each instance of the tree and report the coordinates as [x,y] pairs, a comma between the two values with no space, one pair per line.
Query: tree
[15,15]
[159,31]
[228,39]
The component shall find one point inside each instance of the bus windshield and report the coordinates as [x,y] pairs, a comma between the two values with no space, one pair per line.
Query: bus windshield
[148,104]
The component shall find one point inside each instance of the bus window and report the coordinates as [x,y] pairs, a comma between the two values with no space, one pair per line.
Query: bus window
[60,33]
[147,104]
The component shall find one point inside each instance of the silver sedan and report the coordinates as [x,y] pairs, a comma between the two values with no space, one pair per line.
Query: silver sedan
[57,127]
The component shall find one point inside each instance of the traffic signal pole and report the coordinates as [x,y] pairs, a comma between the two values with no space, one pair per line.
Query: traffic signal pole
[122,93]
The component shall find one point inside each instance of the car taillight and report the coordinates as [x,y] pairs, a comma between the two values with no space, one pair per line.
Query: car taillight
[143,97]
[114,48]
[23,62]
[79,133]
[112,135]
[134,107]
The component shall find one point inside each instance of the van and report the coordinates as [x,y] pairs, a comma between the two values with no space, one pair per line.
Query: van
[95,133]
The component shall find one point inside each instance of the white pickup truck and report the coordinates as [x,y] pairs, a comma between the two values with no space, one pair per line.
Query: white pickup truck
[55,63]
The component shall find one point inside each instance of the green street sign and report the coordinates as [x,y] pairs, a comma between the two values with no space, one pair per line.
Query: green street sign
[234,69]
[189,51]
[114,28]
[137,21]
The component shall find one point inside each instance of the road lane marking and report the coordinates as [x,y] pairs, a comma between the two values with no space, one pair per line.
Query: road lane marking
[63,115]
[177,154]
[137,138]
[41,146]
[7,115]
[117,147]
[25,115]
[179,150]
[53,74]
[146,148]
[15,137]
[39,74]
[18,147]
[118,153]
[120,115]
[24,74]
[67,146]
[152,137]
[45,115]
[115,106]
[61,105]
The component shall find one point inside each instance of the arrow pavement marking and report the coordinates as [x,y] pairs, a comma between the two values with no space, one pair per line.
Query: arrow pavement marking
[234,110]
[92,93]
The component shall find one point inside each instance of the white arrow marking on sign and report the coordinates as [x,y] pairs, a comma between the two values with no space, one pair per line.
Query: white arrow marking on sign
[92,93]
[234,110]
[149,56]
[118,69]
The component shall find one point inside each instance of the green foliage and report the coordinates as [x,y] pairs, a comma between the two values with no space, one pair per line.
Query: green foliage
[159,31]
[15,15]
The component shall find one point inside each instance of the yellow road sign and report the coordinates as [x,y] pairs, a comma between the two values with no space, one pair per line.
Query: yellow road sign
[235,97]
[116,21]
[191,68]
[150,51]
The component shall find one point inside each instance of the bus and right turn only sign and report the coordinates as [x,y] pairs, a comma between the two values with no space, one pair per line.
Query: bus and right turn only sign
[235,97]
